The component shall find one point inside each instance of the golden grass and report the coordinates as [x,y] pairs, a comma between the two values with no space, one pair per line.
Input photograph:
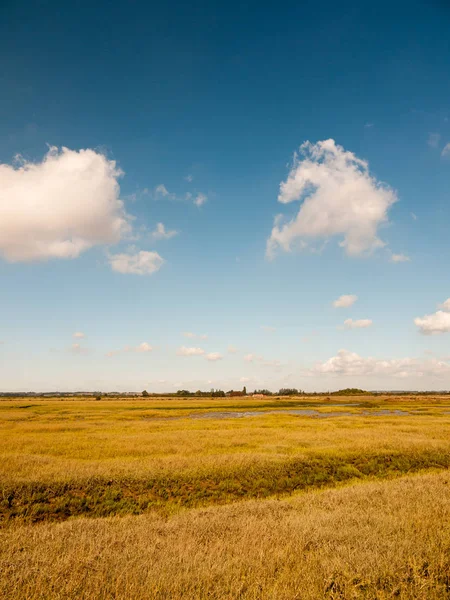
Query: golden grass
[152,463]
[98,458]
[376,540]
[69,440]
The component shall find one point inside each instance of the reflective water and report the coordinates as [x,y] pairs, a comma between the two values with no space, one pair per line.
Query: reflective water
[300,412]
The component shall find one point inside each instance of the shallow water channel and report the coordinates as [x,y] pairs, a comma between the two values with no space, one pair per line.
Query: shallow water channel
[303,412]
[300,412]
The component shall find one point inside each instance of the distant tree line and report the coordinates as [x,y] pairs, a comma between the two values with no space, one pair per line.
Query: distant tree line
[220,393]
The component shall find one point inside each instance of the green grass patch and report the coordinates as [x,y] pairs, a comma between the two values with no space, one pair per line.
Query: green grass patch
[99,497]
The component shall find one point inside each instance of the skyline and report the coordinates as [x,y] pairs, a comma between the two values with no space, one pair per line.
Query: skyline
[232,196]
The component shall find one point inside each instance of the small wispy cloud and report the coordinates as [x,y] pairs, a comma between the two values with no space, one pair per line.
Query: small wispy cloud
[260,360]
[345,301]
[144,347]
[414,216]
[446,151]
[141,348]
[161,233]
[78,349]
[358,324]
[200,199]
[434,139]
[232,349]
[141,263]
[268,328]
[189,178]
[214,356]
[399,258]
[79,335]
[190,334]
[183,351]
[162,192]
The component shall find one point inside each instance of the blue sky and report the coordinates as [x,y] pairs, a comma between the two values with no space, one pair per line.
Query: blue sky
[189,116]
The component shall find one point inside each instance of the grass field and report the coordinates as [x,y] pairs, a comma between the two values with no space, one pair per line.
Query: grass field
[225,498]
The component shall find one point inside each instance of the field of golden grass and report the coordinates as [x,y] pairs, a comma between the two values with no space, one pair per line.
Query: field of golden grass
[188,498]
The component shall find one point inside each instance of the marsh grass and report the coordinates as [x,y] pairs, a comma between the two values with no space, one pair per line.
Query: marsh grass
[377,540]
[152,480]
[35,502]
[99,458]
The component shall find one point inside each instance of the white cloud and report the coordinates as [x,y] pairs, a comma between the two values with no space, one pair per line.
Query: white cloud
[213,356]
[183,351]
[358,324]
[190,334]
[350,363]
[268,328]
[200,199]
[60,207]
[142,347]
[232,349]
[434,324]
[162,191]
[445,305]
[397,258]
[368,125]
[338,197]
[142,263]
[189,178]
[414,216]
[245,379]
[161,233]
[250,357]
[79,335]
[446,151]
[345,301]
[433,139]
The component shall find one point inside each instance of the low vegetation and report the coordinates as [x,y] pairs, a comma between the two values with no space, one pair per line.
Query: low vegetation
[151,475]
[375,540]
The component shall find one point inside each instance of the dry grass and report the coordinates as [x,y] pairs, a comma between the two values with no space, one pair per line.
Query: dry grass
[376,540]
[148,461]
[76,440]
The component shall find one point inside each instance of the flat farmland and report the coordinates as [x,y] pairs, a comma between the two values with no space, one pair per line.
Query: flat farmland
[299,497]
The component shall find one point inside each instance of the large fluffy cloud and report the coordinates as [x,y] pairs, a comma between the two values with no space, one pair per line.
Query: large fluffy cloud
[350,363]
[141,263]
[338,197]
[438,322]
[61,206]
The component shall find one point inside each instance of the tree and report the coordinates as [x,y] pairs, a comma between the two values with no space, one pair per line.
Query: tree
[244,390]
[145,394]
[288,392]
